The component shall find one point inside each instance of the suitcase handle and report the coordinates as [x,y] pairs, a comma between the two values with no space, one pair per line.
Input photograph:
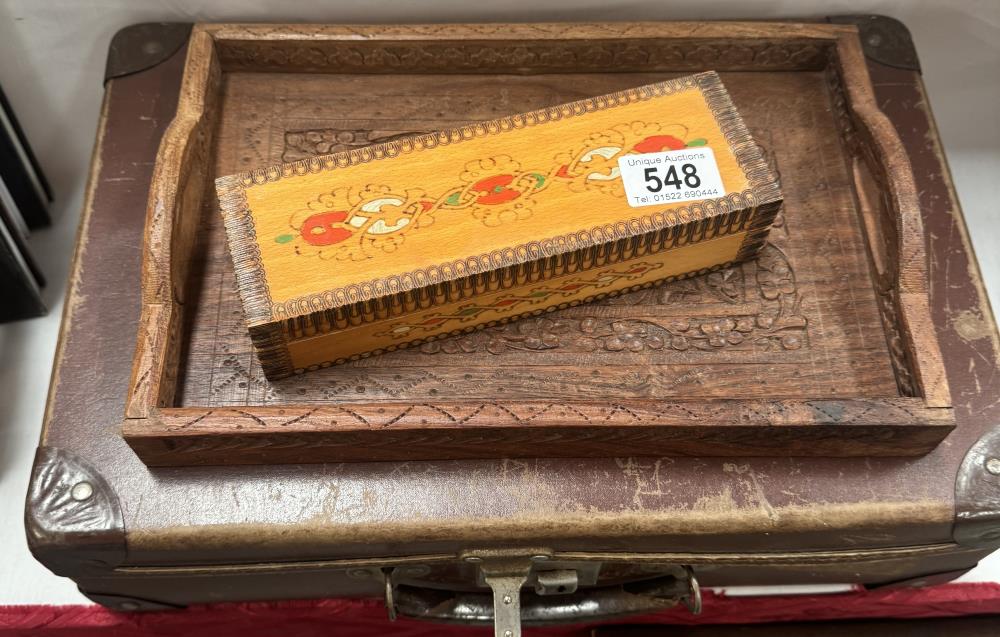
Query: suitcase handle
[584,605]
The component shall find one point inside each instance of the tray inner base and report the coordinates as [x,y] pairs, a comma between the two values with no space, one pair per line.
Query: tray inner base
[799,322]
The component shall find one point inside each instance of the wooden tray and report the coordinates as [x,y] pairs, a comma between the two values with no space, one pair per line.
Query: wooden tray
[822,346]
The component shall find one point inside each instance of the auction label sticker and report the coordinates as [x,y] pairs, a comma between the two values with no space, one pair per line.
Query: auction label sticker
[654,179]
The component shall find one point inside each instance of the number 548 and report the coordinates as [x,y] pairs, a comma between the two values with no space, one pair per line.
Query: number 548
[689,172]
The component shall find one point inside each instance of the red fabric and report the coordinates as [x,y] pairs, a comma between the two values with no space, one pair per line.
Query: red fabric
[360,618]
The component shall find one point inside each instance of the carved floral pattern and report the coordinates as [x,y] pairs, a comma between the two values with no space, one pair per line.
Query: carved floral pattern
[304,144]
[780,325]
[724,285]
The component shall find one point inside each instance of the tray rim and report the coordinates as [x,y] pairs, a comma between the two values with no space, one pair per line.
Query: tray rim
[151,423]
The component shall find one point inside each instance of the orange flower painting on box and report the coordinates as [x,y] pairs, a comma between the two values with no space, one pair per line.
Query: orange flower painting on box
[357,223]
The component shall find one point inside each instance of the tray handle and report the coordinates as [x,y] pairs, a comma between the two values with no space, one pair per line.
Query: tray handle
[180,179]
[891,219]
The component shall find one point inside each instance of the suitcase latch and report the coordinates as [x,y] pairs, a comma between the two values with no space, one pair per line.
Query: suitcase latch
[507,573]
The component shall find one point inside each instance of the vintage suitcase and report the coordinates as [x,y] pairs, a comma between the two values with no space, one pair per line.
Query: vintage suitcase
[627,534]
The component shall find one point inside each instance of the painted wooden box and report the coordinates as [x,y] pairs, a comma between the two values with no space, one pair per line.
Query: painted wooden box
[375,249]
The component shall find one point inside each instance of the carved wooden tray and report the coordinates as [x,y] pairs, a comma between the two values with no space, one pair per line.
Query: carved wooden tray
[822,346]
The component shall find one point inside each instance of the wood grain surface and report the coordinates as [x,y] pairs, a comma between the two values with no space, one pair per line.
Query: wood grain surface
[831,310]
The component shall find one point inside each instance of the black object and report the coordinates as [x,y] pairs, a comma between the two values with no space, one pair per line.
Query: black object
[20,278]
[24,204]
[20,171]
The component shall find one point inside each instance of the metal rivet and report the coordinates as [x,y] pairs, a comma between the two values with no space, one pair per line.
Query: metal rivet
[508,633]
[507,599]
[473,559]
[874,39]
[128,605]
[993,466]
[82,491]
[539,558]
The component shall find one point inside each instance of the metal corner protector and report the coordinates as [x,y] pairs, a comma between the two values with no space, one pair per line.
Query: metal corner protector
[884,39]
[72,517]
[977,494]
[142,46]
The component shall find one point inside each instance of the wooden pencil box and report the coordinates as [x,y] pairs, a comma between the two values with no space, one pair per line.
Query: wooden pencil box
[376,249]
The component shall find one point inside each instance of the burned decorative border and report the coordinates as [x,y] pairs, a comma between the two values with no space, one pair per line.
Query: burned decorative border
[280,356]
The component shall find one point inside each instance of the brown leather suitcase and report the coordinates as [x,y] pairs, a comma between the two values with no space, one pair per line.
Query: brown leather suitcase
[626,534]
